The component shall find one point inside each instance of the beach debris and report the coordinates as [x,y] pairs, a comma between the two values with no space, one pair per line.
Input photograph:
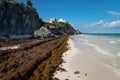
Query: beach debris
[56,78]
[85,74]
[61,65]
[78,76]
[76,72]
[64,61]
[65,54]
[61,69]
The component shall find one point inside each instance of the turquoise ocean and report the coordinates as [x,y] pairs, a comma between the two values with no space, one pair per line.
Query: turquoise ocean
[106,44]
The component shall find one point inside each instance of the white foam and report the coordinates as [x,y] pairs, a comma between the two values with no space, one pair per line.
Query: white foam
[87,62]
[112,42]
[118,39]
[11,47]
[118,54]
[98,48]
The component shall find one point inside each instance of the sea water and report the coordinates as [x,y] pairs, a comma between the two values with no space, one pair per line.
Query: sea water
[106,44]
[97,55]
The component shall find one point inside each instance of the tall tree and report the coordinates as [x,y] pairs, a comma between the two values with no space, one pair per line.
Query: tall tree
[29,3]
[3,0]
[12,1]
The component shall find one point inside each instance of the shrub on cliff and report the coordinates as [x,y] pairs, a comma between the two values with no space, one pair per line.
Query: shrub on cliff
[11,1]
[63,24]
[29,3]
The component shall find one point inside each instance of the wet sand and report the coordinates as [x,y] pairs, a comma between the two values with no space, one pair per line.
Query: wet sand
[90,64]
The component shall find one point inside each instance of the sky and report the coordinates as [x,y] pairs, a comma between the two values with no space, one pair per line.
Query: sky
[89,16]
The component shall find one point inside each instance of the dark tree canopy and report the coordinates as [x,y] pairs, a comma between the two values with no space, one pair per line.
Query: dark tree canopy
[29,3]
[12,1]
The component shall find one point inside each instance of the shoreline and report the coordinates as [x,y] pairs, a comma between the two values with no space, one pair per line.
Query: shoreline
[67,74]
[59,63]
[85,64]
[23,63]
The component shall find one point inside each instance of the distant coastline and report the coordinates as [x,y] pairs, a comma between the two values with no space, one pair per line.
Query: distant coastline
[104,34]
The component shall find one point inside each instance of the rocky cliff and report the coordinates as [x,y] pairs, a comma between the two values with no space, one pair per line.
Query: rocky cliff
[18,18]
[61,28]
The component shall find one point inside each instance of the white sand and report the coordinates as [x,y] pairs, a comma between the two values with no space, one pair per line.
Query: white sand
[87,61]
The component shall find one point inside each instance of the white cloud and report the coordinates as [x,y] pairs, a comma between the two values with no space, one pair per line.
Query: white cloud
[101,23]
[62,20]
[112,24]
[114,13]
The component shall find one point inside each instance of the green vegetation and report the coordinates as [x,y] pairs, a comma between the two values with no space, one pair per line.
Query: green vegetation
[11,1]
[49,24]
[63,24]
[29,3]
[60,25]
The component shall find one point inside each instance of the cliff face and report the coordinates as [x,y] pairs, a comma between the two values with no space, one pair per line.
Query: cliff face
[18,19]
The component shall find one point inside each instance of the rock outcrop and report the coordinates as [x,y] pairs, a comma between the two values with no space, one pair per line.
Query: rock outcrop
[61,28]
[18,19]
[42,32]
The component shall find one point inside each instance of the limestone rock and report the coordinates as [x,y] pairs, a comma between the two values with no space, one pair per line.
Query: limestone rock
[18,19]
[42,32]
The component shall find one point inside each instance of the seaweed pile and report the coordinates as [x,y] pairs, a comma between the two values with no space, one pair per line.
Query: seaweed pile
[27,63]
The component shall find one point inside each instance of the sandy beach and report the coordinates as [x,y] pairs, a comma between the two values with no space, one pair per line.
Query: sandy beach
[89,64]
